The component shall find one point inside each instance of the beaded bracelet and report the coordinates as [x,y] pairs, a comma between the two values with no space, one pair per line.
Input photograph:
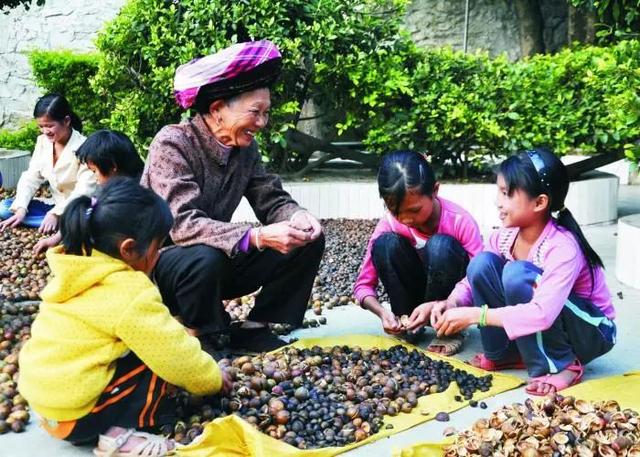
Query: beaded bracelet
[483,316]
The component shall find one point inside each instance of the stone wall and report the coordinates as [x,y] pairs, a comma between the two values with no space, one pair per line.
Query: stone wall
[493,25]
[69,24]
[496,26]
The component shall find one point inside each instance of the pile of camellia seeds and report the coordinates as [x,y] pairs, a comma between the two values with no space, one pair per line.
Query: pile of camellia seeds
[320,397]
[15,322]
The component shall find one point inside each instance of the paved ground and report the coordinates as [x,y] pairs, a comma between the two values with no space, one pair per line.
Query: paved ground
[345,320]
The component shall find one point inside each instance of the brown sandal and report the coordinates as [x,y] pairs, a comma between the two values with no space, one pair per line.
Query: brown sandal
[451,344]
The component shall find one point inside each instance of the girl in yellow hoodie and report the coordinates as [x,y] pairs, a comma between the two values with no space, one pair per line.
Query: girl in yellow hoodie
[104,349]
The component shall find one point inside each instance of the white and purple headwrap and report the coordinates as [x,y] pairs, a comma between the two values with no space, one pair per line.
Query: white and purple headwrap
[236,69]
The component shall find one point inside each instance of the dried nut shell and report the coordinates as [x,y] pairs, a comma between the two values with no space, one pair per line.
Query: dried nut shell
[584,406]
[449,431]
[529,452]
[560,438]
[606,451]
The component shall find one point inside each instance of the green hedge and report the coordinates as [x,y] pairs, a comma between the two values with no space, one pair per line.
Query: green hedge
[466,110]
[23,138]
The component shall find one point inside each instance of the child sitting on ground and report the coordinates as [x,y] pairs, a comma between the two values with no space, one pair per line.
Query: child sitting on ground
[419,249]
[104,349]
[106,153]
[539,289]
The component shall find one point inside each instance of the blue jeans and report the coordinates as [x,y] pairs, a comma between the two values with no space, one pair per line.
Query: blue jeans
[36,211]
[412,276]
[581,331]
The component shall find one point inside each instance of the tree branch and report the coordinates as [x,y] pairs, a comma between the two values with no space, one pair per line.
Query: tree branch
[306,145]
[577,168]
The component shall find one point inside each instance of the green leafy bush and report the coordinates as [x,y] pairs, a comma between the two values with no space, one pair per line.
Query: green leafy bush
[321,41]
[353,57]
[23,138]
[69,74]
[466,110]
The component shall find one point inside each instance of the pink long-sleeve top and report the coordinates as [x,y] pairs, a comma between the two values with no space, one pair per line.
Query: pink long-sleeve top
[565,271]
[454,221]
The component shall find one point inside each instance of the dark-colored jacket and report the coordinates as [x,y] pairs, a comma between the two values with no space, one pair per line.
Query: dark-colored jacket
[204,182]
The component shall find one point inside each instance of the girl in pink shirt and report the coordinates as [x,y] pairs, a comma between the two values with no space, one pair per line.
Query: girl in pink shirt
[538,290]
[420,248]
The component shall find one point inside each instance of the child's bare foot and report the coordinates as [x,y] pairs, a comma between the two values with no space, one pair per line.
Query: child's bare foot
[118,441]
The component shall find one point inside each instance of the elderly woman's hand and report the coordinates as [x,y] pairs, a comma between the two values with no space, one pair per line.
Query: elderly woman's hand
[282,236]
[303,220]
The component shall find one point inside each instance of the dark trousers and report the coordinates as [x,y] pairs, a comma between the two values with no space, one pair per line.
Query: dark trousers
[135,398]
[413,276]
[581,331]
[194,280]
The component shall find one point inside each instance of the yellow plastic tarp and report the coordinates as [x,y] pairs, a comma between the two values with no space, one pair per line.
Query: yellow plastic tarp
[625,389]
[231,436]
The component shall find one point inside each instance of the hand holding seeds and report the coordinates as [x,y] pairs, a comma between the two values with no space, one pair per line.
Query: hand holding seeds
[390,323]
[438,309]
[455,320]
[304,221]
[419,317]
[281,236]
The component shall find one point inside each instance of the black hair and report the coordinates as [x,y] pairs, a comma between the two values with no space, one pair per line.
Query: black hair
[538,171]
[57,108]
[403,171]
[123,209]
[108,149]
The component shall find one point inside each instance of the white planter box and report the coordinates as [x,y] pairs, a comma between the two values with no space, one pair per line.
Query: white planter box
[592,200]
[12,164]
[628,251]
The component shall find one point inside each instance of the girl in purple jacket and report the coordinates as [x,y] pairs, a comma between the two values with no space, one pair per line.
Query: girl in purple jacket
[419,250]
[538,289]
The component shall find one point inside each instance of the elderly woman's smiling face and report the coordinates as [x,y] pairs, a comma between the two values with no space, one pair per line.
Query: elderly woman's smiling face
[236,122]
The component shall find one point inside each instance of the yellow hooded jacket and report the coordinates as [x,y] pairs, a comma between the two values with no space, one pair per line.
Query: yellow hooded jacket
[95,309]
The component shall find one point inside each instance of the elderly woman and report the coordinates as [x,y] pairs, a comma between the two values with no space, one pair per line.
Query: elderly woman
[203,167]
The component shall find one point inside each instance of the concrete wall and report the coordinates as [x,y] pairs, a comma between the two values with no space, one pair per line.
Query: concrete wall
[592,201]
[69,24]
